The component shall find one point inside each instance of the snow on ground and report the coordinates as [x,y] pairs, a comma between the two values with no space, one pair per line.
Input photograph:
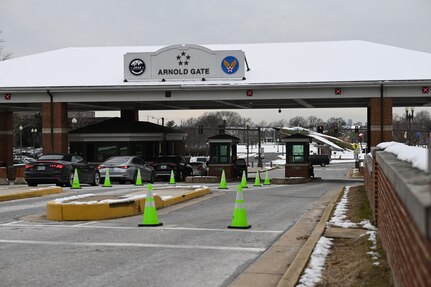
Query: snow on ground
[313,273]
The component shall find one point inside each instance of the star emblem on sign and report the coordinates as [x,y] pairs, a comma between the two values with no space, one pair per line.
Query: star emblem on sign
[183,59]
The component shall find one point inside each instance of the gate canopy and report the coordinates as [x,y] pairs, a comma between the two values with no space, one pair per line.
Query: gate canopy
[275,75]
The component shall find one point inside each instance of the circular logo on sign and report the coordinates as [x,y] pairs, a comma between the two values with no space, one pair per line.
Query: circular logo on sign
[137,67]
[229,65]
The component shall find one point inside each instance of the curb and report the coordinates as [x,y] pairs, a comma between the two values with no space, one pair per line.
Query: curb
[81,211]
[31,193]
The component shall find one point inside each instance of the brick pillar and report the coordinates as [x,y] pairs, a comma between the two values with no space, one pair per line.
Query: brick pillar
[6,139]
[131,115]
[379,113]
[59,129]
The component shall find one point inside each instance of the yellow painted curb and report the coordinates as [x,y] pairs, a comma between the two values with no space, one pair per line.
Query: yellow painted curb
[99,211]
[181,198]
[31,193]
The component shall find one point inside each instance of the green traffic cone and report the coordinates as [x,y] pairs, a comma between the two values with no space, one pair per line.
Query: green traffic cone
[267,181]
[75,182]
[150,213]
[239,218]
[257,180]
[107,182]
[138,178]
[223,184]
[172,179]
[244,180]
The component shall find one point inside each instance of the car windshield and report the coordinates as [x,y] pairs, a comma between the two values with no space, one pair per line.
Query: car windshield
[117,160]
[54,157]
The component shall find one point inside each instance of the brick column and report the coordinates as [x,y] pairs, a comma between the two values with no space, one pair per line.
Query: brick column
[59,129]
[379,113]
[6,139]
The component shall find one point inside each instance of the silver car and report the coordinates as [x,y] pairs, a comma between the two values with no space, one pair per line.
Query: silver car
[125,168]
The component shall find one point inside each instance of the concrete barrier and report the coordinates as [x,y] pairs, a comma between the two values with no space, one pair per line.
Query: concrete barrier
[27,193]
[3,176]
[97,207]
[19,175]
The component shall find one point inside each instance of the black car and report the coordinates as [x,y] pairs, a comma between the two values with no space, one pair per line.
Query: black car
[163,165]
[59,169]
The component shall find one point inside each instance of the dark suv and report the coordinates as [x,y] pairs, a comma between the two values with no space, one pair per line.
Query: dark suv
[163,165]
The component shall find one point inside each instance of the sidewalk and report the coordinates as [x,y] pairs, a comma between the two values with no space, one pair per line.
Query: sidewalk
[283,262]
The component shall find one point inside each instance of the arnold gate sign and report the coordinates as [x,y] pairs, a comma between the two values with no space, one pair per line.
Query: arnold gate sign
[184,62]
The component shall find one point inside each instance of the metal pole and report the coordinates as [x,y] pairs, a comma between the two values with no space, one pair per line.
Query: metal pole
[20,143]
[259,161]
[248,143]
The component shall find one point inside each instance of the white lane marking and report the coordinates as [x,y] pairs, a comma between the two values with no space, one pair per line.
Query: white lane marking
[84,224]
[137,228]
[11,223]
[143,245]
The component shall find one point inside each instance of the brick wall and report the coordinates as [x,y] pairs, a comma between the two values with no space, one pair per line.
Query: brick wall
[6,139]
[407,247]
[59,143]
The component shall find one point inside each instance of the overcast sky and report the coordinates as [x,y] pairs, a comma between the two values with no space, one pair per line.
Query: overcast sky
[34,26]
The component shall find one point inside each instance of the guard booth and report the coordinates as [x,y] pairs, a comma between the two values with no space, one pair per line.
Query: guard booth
[223,156]
[297,156]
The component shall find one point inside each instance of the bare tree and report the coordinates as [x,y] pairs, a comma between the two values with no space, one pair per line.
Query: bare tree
[4,55]
[313,122]
[298,121]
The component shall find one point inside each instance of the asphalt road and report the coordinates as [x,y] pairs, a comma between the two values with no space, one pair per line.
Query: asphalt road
[192,248]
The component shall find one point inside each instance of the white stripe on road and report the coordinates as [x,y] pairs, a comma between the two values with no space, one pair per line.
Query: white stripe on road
[88,225]
[143,245]
[12,223]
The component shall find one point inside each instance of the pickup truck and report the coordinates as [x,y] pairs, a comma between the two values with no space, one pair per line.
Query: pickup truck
[319,159]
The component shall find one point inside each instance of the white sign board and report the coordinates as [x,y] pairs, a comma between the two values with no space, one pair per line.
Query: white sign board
[184,62]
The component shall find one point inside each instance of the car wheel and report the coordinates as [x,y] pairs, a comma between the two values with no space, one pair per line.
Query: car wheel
[322,164]
[70,179]
[96,179]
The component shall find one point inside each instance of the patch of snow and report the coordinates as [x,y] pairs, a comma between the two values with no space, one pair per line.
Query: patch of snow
[313,273]
[417,156]
[339,217]
[74,197]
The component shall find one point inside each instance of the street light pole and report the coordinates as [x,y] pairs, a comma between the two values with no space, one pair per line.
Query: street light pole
[33,133]
[409,117]
[20,141]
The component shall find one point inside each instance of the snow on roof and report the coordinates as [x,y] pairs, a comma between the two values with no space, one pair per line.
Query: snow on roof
[271,63]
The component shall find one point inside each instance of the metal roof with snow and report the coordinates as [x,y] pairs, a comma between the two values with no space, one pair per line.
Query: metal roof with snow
[94,78]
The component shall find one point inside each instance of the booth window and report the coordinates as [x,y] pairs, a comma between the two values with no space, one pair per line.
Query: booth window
[297,153]
[220,153]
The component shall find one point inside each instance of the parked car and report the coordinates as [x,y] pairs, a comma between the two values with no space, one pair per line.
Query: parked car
[319,159]
[59,169]
[125,168]
[163,166]
[240,166]
[23,161]
[203,159]
[199,168]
